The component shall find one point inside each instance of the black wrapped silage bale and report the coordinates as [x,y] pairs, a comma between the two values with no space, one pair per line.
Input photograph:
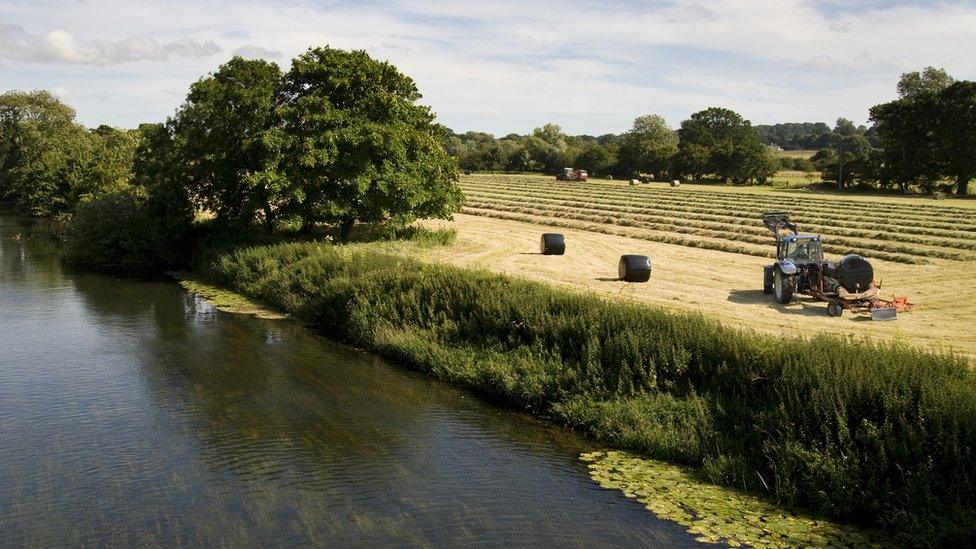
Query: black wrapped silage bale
[634,268]
[553,244]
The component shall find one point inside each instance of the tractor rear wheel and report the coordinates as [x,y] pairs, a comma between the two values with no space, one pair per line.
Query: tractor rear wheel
[783,287]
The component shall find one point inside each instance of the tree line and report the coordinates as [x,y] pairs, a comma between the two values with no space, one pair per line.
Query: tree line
[48,161]
[923,141]
[793,136]
[715,142]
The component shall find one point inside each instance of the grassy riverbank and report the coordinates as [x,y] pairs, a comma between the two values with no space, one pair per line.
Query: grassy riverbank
[872,432]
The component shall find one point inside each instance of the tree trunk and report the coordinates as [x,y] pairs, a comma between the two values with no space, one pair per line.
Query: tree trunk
[269,218]
[345,228]
[962,185]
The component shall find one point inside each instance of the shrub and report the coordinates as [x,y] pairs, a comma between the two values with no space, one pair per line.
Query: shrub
[125,229]
[110,230]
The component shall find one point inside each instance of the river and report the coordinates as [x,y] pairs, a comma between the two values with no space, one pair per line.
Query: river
[134,413]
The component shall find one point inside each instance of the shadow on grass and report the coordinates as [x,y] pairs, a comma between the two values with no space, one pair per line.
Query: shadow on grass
[803,307]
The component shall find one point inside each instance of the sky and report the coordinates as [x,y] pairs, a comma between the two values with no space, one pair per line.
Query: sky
[503,66]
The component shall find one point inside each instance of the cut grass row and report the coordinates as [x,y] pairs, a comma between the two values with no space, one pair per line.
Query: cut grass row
[664,196]
[879,252]
[739,214]
[735,225]
[790,199]
[876,432]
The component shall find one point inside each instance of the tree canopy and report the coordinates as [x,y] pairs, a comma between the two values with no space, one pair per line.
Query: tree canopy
[649,146]
[928,132]
[227,137]
[357,144]
[719,141]
[42,152]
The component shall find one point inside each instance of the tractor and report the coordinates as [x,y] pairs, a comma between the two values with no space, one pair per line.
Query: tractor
[569,174]
[801,268]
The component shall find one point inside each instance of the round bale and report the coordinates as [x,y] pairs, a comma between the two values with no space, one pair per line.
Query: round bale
[553,244]
[634,268]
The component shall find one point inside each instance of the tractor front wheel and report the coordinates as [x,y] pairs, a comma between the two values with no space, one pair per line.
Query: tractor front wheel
[835,309]
[783,287]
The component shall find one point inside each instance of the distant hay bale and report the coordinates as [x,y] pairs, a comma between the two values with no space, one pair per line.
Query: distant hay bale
[675,182]
[634,268]
[634,181]
[553,244]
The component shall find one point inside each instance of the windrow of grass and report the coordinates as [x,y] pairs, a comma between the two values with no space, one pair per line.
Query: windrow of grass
[662,232]
[865,211]
[835,203]
[709,220]
[867,214]
[893,251]
[873,432]
[607,227]
[744,212]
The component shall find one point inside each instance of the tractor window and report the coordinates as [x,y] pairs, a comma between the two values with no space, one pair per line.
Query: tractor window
[803,251]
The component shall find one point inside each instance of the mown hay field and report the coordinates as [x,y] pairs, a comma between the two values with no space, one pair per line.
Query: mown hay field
[707,245]
[799,153]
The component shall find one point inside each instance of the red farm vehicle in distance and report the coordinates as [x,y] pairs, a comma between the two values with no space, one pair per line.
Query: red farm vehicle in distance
[569,174]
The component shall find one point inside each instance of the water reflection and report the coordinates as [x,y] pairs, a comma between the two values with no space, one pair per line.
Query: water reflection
[133,413]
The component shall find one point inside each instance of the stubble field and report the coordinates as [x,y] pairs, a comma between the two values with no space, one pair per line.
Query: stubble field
[708,246]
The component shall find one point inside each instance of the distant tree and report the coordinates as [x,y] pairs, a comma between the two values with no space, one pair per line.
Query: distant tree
[110,168]
[794,135]
[596,159]
[357,144]
[476,151]
[905,130]
[228,137]
[649,147]
[44,153]
[913,85]
[803,165]
[845,128]
[956,133]
[550,148]
[718,141]
[851,160]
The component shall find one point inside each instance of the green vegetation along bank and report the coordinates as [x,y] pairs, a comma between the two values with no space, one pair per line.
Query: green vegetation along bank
[875,433]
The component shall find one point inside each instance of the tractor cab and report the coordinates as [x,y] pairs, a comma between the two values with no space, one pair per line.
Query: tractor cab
[800,249]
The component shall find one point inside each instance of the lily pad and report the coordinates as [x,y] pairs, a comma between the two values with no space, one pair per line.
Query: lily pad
[714,514]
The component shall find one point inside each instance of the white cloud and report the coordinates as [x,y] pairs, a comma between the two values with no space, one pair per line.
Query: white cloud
[189,48]
[61,46]
[250,51]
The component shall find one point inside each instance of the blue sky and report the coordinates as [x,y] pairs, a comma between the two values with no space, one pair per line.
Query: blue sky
[504,66]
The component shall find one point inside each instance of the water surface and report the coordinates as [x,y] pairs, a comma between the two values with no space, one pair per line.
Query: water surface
[134,413]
